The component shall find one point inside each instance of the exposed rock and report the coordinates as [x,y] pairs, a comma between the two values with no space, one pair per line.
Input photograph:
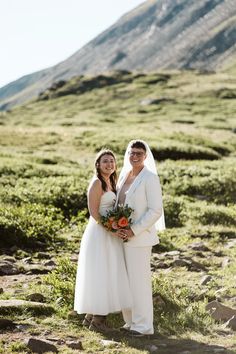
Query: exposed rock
[42,255]
[225,262]
[199,246]
[197,266]
[36,297]
[6,324]
[171,254]
[37,269]
[151,348]
[8,268]
[218,253]
[8,259]
[158,300]
[1,291]
[75,345]
[72,315]
[220,292]
[50,263]
[41,346]
[58,340]
[231,323]
[231,243]
[181,263]
[59,300]
[19,306]
[74,258]
[152,101]
[190,264]
[109,343]
[159,265]
[206,279]
[219,311]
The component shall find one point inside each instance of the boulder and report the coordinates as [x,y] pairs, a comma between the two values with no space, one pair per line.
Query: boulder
[231,323]
[41,346]
[219,311]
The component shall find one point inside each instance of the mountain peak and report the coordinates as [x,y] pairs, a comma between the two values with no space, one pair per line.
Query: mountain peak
[158,34]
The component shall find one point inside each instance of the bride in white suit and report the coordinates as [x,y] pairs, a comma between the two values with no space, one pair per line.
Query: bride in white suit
[139,187]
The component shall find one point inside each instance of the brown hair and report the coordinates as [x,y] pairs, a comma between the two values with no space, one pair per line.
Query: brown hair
[113,176]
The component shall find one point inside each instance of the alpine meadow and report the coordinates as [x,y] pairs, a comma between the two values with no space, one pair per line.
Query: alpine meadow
[47,151]
[164,73]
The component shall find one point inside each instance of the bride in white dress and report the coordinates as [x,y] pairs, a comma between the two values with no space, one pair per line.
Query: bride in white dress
[102,284]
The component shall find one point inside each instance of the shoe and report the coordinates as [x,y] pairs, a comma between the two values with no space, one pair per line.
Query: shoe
[136,334]
[87,320]
[125,329]
[99,324]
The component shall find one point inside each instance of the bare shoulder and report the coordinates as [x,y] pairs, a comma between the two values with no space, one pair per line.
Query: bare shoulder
[95,186]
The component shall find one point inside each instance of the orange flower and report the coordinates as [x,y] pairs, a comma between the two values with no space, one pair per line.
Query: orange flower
[123,222]
[115,226]
[111,220]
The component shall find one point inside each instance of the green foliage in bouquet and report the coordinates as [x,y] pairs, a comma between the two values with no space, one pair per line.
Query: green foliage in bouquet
[117,218]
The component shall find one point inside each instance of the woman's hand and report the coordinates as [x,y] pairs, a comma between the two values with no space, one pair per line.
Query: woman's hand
[124,234]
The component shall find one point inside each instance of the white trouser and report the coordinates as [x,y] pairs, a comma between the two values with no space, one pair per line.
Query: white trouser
[140,317]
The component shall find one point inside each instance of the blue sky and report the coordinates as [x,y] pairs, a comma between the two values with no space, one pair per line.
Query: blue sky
[36,34]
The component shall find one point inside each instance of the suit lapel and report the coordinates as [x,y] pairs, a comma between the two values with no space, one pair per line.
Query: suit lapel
[133,186]
[136,182]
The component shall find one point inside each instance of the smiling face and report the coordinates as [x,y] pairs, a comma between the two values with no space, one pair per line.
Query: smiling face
[137,157]
[106,165]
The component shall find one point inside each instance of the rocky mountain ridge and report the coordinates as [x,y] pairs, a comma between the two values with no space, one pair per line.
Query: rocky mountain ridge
[158,34]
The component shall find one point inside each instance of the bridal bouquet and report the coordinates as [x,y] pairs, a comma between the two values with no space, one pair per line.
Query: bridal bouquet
[117,218]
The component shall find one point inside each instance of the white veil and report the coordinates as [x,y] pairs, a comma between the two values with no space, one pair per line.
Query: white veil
[149,162]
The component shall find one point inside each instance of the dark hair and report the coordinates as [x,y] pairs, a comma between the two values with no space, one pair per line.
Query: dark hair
[113,176]
[138,144]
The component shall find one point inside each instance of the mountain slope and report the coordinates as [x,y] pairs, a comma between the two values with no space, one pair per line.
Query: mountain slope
[158,34]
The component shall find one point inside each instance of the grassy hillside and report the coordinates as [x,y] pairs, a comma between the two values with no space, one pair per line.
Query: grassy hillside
[47,152]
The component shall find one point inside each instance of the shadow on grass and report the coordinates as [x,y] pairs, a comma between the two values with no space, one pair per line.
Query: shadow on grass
[162,344]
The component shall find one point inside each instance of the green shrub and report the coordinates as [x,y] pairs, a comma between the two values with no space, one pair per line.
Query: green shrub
[61,282]
[25,224]
[177,150]
[215,181]
[177,313]
[198,140]
[65,193]
[18,347]
[173,207]
[216,215]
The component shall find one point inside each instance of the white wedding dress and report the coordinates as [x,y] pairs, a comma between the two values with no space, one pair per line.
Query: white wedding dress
[102,285]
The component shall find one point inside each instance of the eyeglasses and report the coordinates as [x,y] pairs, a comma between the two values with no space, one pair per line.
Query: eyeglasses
[137,153]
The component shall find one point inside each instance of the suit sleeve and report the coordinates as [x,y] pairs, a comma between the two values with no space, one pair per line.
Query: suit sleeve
[154,206]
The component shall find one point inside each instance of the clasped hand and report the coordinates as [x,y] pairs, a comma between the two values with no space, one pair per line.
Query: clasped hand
[124,234]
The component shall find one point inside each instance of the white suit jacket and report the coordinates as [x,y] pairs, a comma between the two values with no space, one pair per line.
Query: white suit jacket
[144,196]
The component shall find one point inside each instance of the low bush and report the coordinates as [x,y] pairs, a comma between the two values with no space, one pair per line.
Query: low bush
[61,282]
[176,151]
[174,311]
[65,193]
[25,224]
[216,215]
[215,182]
[173,207]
